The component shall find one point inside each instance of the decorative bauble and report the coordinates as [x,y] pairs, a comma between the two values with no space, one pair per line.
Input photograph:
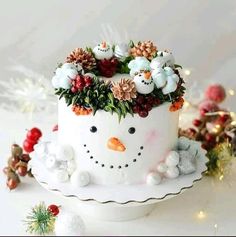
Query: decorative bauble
[103,51]
[80,179]
[144,49]
[162,59]
[16,150]
[28,145]
[61,175]
[187,163]
[172,159]
[69,224]
[172,172]
[34,134]
[153,178]
[22,170]
[64,152]
[71,166]
[162,167]
[137,65]
[12,184]
[207,106]
[121,51]
[51,162]
[216,93]
[54,209]
[144,82]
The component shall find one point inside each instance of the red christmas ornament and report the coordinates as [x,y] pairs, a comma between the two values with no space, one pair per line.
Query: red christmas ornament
[197,122]
[28,145]
[207,106]
[107,67]
[54,209]
[215,93]
[34,134]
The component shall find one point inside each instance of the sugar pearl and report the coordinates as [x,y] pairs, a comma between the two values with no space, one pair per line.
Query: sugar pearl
[61,176]
[162,168]
[64,152]
[80,179]
[172,159]
[153,178]
[172,172]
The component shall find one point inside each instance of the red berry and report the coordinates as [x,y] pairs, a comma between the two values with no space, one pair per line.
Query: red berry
[73,89]
[140,100]
[12,184]
[209,137]
[191,131]
[197,122]
[28,145]
[157,102]
[203,112]
[22,170]
[147,107]
[88,80]
[136,108]
[25,157]
[55,128]
[14,161]
[143,113]
[223,118]
[54,209]
[150,100]
[34,134]
[5,170]
[80,85]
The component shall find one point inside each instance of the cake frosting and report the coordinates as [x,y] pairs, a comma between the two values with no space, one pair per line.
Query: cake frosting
[118,113]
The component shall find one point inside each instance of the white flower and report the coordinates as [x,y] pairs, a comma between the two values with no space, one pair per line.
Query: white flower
[64,75]
[122,51]
[138,64]
[165,79]
[163,59]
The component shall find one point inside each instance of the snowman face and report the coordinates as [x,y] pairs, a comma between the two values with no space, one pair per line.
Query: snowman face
[103,51]
[144,82]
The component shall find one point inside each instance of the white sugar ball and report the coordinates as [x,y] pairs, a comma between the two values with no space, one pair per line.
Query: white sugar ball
[51,162]
[69,224]
[172,159]
[80,179]
[65,152]
[153,178]
[71,166]
[162,167]
[172,172]
[61,175]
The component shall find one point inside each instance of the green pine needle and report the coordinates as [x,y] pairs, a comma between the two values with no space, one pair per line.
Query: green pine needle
[40,221]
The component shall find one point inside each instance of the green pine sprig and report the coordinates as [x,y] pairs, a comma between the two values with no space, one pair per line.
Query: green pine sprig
[40,221]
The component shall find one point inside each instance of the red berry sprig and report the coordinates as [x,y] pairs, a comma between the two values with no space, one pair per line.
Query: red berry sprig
[32,137]
[80,82]
[144,104]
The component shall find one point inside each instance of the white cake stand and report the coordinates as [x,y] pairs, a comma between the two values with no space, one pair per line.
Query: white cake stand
[119,202]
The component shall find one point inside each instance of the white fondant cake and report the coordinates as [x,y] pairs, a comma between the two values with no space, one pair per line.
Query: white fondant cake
[153,138]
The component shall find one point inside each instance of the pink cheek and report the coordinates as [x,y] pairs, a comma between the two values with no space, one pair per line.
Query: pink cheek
[151,137]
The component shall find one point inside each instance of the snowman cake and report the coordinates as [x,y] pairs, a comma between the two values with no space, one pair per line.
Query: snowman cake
[118,117]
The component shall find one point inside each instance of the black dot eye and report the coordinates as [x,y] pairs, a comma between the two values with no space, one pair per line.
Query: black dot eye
[93,129]
[139,75]
[131,130]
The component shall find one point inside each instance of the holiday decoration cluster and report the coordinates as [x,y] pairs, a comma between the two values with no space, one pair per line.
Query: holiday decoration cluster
[83,80]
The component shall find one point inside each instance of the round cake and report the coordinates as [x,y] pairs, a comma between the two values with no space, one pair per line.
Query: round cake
[118,117]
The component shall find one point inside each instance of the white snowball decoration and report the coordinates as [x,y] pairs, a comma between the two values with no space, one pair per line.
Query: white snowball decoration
[51,162]
[187,164]
[163,58]
[71,166]
[122,51]
[80,179]
[153,178]
[64,152]
[64,75]
[162,167]
[61,175]
[165,79]
[183,143]
[103,51]
[172,159]
[69,224]
[172,172]
[138,64]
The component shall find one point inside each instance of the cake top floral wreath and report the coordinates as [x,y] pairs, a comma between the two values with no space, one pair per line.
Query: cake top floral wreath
[147,78]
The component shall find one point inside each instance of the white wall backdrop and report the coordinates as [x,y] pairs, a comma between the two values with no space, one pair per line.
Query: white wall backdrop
[201,33]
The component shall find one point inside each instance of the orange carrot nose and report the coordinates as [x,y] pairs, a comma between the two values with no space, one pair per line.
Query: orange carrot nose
[104,44]
[115,144]
[147,75]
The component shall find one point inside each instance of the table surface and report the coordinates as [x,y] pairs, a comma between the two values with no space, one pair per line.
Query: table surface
[176,216]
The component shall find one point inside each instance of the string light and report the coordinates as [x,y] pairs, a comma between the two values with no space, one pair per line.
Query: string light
[201,215]
[231,92]
[187,72]
[221,177]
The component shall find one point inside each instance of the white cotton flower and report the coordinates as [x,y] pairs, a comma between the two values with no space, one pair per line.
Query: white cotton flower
[163,59]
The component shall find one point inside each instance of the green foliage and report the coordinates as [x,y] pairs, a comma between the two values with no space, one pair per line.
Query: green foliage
[123,66]
[40,221]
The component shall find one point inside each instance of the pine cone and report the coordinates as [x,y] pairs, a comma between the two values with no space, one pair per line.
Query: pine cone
[82,57]
[144,49]
[124,90]
[107,67]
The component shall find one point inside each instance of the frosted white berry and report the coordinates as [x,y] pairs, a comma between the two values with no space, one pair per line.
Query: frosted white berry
[172,172]
[172,159]
[162,167]
[153,178]
[80,179]
[65,152]
[51,162]
[61,175]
